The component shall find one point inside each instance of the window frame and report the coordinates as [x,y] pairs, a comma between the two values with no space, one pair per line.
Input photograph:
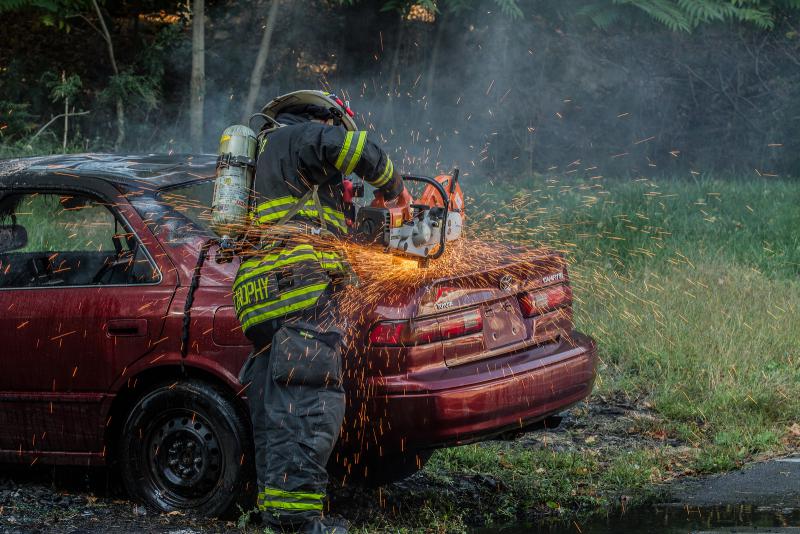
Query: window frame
[93,195]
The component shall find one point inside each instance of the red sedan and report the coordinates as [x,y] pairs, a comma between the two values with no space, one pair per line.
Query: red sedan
[96,255]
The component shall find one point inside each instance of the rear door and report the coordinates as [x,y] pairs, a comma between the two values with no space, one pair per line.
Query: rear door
[83,298]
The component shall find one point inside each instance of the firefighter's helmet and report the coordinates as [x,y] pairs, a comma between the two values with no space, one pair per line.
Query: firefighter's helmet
[319,104]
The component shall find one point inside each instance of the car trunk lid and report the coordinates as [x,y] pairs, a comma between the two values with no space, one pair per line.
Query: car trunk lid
[505,299]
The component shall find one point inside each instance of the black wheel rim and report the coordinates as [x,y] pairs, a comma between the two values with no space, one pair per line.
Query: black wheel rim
[184,457]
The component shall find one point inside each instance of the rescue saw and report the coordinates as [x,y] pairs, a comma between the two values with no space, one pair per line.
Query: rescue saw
[437,218]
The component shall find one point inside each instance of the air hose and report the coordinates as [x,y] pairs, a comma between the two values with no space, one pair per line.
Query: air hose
[187,307]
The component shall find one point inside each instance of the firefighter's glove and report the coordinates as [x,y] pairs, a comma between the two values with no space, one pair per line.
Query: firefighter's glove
[404,201]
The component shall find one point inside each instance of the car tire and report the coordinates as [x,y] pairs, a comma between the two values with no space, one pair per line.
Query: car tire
[185,446]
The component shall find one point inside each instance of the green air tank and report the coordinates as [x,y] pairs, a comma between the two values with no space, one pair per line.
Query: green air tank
[233,184]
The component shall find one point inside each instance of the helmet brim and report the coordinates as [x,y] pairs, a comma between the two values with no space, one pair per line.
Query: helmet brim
[308,97]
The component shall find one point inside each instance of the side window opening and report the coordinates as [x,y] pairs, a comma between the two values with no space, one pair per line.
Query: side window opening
[68,239]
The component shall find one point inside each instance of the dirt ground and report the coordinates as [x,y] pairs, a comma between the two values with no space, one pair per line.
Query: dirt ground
[42,499]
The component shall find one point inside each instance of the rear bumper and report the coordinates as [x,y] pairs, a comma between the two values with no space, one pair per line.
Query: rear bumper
[493,396]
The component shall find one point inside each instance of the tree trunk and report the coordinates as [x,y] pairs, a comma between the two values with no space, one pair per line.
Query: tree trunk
[261,61]
[198,81]
[120,124]
[120,107]
[66,125]
[66,114]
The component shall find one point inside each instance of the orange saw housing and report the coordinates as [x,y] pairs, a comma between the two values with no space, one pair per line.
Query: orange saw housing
[429,197]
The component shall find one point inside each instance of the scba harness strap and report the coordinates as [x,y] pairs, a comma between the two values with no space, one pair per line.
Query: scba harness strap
[312,193]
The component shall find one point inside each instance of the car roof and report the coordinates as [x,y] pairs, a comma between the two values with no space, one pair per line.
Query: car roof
[131,172]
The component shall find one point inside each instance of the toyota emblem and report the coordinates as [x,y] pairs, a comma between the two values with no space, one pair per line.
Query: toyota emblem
[506,282]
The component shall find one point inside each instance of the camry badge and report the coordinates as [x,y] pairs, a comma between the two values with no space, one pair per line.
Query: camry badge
[505,282]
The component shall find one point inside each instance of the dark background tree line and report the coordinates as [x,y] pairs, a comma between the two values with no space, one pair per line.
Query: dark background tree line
[499,87]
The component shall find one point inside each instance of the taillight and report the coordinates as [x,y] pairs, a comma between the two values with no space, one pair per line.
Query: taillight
[426,330]
[535,303]
[461,325]
[387,334]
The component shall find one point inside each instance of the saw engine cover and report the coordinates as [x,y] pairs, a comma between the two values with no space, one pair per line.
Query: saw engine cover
[430,228]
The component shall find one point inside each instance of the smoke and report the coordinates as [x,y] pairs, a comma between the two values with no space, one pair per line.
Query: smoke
[549,94]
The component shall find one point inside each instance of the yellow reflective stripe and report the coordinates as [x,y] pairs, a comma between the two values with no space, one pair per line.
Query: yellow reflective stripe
[255,262]
[348,138]
[330,260]
[308,205]
[255,272]
[292,494]
[282,203]
[388,170]
[303,213]
[299,292]
[336,213]
[273,210]
[276,202]
[267,310]
[362,137]
[327,260]
[332,217]
[258,263]
[283,310]
[289,202]
[290,505]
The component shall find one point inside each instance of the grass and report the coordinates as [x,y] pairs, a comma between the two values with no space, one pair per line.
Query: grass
[691,288]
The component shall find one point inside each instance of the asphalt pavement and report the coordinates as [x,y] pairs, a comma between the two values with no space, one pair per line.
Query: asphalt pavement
[774,484]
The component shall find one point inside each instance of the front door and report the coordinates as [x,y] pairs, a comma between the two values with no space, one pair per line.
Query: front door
[81,298]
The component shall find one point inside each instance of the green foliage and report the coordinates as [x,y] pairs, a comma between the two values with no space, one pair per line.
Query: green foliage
[686,15]
[134,89]
[45,144]
[54,13]
[154,57]
[15,120]
[62,87]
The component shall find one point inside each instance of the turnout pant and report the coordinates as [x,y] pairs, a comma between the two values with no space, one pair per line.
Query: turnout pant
[297,406]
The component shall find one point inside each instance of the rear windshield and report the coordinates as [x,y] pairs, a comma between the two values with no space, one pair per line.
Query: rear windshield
[192,201]
[185,210]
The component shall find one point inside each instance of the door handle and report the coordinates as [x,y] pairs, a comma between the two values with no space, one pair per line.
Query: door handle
[126,327]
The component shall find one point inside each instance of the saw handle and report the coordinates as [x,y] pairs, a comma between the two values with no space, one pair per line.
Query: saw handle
[445,203]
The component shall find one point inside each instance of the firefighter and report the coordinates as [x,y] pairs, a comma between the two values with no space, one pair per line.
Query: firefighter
[285,298]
